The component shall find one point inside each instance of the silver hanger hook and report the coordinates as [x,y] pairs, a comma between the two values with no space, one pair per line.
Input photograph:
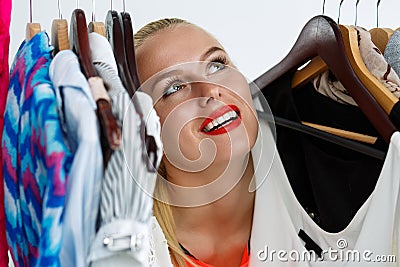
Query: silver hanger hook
[323,7]
[355,22]
[111,2]
[123,2]
[93,10]
[340,7]
[77,3]
[377,13]
[59,9]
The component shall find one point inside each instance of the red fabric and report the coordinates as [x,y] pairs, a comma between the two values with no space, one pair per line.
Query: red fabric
[243,263]
[5,16]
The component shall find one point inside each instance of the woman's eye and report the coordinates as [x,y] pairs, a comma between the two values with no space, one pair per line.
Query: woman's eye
[174,88]
[215,66]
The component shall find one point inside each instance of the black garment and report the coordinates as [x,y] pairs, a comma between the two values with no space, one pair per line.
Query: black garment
[330,182]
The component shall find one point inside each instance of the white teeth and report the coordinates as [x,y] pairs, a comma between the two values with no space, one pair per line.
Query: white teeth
[226,116]
[221,121]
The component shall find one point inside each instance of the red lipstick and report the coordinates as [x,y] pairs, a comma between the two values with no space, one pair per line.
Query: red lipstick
[227,118]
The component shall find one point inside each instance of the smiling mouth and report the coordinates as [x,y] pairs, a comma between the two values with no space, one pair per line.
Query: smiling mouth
[222,120]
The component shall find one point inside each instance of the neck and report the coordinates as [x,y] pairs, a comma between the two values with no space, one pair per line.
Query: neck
[230,214]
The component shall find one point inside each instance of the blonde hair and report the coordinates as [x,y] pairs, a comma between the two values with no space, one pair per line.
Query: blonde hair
[162,211]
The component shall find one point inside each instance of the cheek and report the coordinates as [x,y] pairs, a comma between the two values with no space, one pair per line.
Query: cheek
[183,145]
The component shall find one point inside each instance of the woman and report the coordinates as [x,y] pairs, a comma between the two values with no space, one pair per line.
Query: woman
[203,202]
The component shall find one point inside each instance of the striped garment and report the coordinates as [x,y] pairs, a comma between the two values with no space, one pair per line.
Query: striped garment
[35,158]
[126,196]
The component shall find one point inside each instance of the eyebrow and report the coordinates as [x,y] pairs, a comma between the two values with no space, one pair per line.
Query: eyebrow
[210,51]
[167,74]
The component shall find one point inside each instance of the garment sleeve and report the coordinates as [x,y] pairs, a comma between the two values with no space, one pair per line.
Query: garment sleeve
[5,14]
[126,199]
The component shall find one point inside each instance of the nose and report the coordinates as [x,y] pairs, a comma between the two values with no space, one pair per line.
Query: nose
[208,93]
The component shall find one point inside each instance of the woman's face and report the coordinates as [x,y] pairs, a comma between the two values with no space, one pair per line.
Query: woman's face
[204,103]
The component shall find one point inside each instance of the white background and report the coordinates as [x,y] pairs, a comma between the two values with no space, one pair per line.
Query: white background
[256,33]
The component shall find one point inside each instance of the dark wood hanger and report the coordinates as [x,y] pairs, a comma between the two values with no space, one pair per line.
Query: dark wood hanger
[115,35]
[321,36]
[130,48]
[111,134]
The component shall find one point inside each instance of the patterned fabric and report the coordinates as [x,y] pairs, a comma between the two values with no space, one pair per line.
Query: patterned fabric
[375,62]
[36,160]
[78,118]
[5,16]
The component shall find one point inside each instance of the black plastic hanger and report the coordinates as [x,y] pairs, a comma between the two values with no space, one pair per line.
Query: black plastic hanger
[111,134]
[321,36]
[115,35]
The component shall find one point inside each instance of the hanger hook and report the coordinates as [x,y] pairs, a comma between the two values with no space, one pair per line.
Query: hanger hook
[77,3]
[30,11]
[123,2]
[358,1]
[323,7]
[93,10]
[59,9]
[340,7]
[111,2]
[377,13]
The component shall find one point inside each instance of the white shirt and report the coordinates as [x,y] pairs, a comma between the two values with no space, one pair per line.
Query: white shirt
[126,198]
[372,233]
[77,112]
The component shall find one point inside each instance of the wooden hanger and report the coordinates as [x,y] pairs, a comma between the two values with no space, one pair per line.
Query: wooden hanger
[97,27]
[111,134]
[131,60]
[115,36]
[380,37]
[343,133]
[304,75]
[59,35]
[321,36]
[385,98]
[31,30]
[130,48]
